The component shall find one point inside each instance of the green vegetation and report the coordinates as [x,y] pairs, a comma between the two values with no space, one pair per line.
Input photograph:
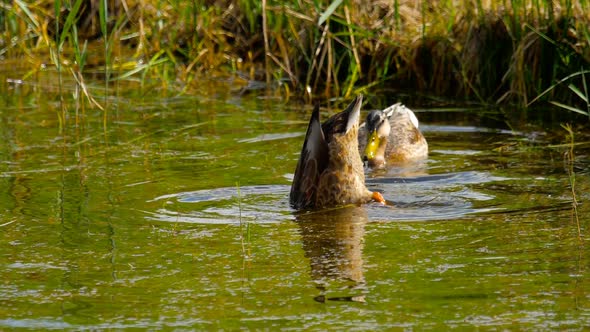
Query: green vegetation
[486,51]
[569,159]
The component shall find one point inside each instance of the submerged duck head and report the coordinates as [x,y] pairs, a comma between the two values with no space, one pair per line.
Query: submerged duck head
[330,171]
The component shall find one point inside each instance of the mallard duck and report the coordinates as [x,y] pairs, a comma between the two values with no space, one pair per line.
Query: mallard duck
[392,135]
[330,170]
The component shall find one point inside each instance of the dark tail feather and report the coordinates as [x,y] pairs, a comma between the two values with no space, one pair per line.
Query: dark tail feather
[312,161]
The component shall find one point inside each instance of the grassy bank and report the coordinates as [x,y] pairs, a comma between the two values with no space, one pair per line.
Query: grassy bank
[483,51]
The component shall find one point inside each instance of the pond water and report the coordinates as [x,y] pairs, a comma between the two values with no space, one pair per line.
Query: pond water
[175,215]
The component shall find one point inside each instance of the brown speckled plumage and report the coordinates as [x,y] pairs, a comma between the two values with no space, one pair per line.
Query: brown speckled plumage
[343,181]
[330,171]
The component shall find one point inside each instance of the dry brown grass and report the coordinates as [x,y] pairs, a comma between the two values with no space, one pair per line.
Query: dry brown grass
[489,51]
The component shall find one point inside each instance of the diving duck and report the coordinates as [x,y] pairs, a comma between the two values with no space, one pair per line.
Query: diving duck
[392,135]
[330,170]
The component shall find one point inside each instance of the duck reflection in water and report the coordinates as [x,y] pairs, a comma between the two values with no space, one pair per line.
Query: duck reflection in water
[333,242]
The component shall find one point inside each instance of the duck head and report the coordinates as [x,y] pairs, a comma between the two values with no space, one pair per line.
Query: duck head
[378,130]
[392,134]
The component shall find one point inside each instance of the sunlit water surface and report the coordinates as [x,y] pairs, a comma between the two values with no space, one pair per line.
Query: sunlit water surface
[176,214]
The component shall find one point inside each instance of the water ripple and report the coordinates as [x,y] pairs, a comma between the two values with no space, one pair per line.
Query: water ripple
[428,197]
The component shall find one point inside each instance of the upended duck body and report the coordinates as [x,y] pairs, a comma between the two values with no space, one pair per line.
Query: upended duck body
[392,135]
[330,170]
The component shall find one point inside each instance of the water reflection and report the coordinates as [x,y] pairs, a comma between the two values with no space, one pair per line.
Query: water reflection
[333,242]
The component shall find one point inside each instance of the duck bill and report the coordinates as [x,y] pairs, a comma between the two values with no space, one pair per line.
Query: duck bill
[373,143]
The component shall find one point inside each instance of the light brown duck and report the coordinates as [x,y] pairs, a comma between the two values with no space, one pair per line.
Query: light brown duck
[392,135]
[330,170]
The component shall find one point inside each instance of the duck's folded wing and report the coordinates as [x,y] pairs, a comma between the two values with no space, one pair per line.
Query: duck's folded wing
[312,162]
[391,109]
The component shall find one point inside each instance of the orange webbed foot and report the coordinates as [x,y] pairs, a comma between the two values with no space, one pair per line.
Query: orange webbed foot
[377,197]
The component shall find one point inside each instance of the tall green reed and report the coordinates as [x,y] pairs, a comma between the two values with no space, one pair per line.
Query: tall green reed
[103,12]
[61,35]
[569,159]
[332,48]
[244,238]
[57,61]
[583,93]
